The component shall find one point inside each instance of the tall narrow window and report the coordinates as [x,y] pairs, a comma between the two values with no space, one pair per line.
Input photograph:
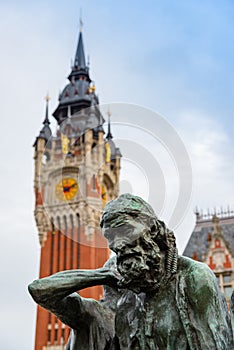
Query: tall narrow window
[78,240]
[52,246]
[93,183]
[49,336]
[63,335]
[59,236]
[65,242]
[226,279]
[49,328]
[56,333]
[72,242]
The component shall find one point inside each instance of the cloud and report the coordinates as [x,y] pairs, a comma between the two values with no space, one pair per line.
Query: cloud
[174,61]
[209,146]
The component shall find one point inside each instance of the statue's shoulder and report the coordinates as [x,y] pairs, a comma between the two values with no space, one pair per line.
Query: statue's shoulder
[197,276]
[190,266]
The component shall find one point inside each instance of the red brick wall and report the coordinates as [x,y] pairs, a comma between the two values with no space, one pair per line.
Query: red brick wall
[53,256]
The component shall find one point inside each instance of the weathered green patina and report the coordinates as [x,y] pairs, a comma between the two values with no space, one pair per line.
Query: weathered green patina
[164,301]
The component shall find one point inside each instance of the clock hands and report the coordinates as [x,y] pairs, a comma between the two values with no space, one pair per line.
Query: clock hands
[67,188]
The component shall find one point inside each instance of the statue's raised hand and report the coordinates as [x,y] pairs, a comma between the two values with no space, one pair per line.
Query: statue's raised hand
[112,276]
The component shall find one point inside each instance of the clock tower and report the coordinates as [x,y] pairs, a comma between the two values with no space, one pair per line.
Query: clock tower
[76,172]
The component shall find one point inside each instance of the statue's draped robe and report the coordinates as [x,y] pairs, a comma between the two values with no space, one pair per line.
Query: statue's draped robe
[203,309]
[96,325]
[200,309]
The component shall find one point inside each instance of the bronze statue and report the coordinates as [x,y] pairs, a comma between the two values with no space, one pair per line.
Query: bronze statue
[165,301]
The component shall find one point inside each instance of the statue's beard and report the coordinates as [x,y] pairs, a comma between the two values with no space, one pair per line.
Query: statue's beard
[140,268]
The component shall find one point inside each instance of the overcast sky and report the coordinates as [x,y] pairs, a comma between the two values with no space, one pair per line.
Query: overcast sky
[175,58]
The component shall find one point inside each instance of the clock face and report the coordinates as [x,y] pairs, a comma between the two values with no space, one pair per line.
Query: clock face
[66,189]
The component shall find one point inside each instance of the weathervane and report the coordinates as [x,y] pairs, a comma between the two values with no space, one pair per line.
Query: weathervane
[81,22]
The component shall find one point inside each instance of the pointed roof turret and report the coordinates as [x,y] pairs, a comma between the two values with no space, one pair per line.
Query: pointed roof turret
[109,134]
[111,150]
[79,93]
[79,68]
[45,132]
[80,55]
[46,120]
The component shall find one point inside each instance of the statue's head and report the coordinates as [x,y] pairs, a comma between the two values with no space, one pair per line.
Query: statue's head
[145,248]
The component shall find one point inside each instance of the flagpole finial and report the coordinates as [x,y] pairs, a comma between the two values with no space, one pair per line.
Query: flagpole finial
[109,112]
[81,21]
[47,98]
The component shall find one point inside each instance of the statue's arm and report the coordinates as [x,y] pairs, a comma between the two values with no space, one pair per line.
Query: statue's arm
[56,293]
[56,287]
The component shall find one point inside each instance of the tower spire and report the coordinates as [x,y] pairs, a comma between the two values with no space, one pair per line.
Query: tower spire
[109,134]
[80,55]
[79,68]
[46,120]
[45,132]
